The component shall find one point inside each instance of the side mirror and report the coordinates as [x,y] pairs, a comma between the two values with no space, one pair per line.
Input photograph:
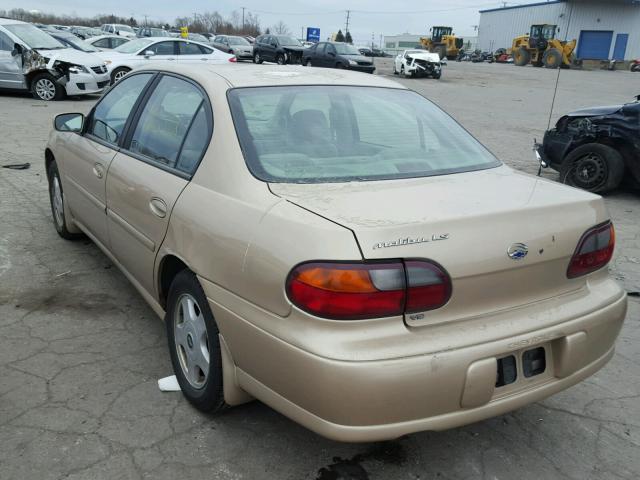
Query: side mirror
[69,122]
[149,53]
[17,50]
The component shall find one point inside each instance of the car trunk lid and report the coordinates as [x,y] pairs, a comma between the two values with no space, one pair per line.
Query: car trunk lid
[473,224]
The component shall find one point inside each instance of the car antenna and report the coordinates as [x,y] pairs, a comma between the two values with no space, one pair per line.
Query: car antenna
[555,90]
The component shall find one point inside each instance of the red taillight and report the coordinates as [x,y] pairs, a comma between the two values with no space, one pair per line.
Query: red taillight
[350,291]
[233,59]
[594,250]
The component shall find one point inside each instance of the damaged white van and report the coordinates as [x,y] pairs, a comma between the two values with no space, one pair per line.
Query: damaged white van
[31,59]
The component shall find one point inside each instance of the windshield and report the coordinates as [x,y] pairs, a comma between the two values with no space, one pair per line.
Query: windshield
[237,41]
[133,46]
[158,32]
[289,41]
[124,28]
[322,134]
[346,49]
[33,37]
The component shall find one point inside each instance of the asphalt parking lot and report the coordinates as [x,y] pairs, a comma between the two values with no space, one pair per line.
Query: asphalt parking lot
[80,352]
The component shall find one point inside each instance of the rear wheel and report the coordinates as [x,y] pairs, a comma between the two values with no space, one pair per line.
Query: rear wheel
[194,344]
[45,87]
[594,167]
[521,57]
[307,62]
[552,58]
[635,67]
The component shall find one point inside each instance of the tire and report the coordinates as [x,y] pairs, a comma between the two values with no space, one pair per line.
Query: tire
[552,58]
[196,339]
[521,57]
[437,75]
[257,58]
[635,67]
[307,63]
[56,199]
[593,167]
[45,87]
[395,72]
[280,60]
[118,74]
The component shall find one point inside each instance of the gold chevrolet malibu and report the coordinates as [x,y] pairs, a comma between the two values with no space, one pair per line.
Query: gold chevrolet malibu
[336,246]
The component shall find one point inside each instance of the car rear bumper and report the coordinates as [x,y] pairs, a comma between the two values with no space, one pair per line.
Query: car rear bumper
[363,401]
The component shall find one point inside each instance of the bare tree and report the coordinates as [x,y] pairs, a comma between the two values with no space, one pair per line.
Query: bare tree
[281,28]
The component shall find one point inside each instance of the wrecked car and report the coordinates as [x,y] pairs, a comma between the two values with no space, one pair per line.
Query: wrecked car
[418,63]
[594,148]
[33,60]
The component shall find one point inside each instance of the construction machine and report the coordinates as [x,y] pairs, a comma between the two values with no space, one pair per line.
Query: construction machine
[541,48]
[443,42]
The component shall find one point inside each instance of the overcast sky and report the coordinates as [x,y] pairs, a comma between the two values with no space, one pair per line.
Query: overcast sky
[368,17]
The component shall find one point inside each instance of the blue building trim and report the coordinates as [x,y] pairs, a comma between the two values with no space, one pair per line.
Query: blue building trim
[527,5]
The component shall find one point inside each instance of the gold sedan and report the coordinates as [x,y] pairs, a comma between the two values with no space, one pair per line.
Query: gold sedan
[336,246]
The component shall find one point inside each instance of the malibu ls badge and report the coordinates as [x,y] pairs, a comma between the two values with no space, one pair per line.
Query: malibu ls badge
[401,242]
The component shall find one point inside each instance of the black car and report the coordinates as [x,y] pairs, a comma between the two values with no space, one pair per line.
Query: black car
[277,48]
[594,148]
[337,55]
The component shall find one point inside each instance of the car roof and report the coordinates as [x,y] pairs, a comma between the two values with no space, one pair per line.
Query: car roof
[9,21]
[249,75]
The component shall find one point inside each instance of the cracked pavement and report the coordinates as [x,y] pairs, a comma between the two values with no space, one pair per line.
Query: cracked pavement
[80,352]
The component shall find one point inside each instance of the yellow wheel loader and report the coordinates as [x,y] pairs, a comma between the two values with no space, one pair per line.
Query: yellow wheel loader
[541,48]
[443,42]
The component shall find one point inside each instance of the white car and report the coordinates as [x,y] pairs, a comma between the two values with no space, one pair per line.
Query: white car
[31,59]
[141,51]
[118,29]
[418,63]
[107,42]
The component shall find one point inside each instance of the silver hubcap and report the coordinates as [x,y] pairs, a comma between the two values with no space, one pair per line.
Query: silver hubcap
[192,342]
[118,76]
[45,89]
[58,204]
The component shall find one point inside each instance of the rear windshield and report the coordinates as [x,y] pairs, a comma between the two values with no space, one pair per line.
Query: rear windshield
[322,134]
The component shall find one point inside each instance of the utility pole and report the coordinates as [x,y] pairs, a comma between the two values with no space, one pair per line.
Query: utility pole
[346,27]
[146,24]
[302,33]
[243,19]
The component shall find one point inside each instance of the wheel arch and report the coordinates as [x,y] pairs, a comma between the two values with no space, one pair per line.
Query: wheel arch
[169,267]
[49,158]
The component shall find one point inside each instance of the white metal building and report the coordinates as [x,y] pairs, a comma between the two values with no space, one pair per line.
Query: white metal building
[605,30]
[394,44]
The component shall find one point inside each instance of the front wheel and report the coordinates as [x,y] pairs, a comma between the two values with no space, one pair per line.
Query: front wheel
[280,60]
[194,344]
[307,63]
[593,167]
[257,58]
[56,198]
[635,67]
[118,74]
[45,87]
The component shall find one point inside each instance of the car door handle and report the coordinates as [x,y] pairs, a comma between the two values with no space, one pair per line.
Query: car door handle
[158,207]
[98,170]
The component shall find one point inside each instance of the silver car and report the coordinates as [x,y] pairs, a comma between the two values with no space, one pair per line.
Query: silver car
[31,59]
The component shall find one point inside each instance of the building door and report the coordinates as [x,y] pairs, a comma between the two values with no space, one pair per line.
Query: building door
[595,44]
[620,49]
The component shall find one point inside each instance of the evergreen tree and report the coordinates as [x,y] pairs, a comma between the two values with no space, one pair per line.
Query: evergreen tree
[348,38]
[339,36]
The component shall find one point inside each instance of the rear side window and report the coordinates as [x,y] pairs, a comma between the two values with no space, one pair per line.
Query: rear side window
[173,117]
[102,43]
[118,41]
[109,117]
